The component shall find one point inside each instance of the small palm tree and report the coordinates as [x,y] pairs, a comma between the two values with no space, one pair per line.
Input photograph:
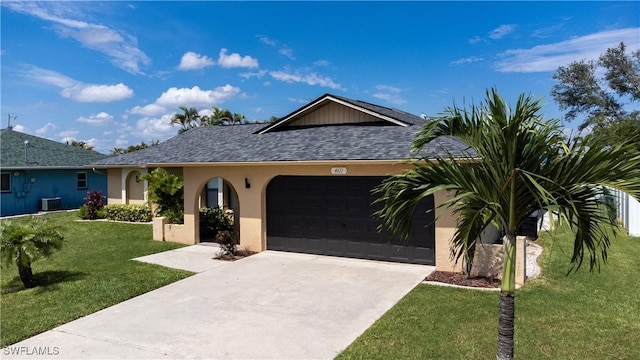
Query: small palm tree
[516,164]
[25,241]
[187,120]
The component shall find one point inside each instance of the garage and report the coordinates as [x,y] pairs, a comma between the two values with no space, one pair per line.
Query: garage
[332,215]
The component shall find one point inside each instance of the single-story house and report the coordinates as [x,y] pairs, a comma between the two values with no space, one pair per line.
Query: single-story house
[302,184]
[42,174]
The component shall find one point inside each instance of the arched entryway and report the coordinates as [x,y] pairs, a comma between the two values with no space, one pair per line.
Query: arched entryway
[218,193]
[135,188]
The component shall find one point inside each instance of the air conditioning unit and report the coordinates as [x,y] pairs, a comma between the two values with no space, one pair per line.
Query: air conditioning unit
[49,204]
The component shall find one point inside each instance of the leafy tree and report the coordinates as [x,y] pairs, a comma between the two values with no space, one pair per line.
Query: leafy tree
[132,148]
[527,164]
[25,241]
[187,120]
[608,102]
[80,144]
[166,191]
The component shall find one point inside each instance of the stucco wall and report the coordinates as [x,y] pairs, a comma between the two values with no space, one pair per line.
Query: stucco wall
[252,199]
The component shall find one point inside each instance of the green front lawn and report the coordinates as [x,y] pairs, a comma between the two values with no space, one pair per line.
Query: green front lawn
[93,270]
[580,316]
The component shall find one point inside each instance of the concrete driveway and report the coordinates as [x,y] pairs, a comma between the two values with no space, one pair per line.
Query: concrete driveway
[272,305]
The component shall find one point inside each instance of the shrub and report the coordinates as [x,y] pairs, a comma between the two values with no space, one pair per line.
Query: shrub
[228,242]
[93,203]
[214,220]
[127,212]
[25,241]
[82,212]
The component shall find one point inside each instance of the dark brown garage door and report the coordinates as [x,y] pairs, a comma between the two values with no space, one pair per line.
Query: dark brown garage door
[331,215]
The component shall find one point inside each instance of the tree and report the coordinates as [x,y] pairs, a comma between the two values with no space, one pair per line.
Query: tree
[132,148]
[603,100]
[218,117]
[526,164]
[25,241]
[187,120]
[166,191]
[80,144]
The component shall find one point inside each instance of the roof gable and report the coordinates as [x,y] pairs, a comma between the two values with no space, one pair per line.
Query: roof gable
[20,150]
[333,110]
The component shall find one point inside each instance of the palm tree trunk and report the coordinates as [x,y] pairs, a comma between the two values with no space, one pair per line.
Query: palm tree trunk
[26,275]
[505,326]
[507,310]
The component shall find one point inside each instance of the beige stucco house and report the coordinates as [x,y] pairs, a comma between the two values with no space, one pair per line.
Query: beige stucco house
[302,184]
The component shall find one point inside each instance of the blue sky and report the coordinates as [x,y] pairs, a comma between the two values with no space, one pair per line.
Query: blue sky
[113,73]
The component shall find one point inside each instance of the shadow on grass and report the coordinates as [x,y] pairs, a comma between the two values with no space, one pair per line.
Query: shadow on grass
[46,281]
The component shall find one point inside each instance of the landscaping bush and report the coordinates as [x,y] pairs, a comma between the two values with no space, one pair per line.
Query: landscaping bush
[228,242]
[127,212]
[93,203]
[214,220]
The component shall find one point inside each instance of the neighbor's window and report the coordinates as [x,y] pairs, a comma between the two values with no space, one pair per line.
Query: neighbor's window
[6,182]
[82,180]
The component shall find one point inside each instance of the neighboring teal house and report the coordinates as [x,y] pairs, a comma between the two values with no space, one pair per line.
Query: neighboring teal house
[41,174]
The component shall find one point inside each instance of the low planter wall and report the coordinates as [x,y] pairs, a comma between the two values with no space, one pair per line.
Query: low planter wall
[168,232]
[489,258]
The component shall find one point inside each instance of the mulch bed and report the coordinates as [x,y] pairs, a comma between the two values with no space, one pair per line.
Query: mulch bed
[460,279]
[240,254]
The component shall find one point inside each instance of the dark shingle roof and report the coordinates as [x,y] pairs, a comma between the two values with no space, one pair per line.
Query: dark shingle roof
[240,143]
[40,152]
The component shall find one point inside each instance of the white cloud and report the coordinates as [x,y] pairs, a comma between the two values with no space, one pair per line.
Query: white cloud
[321,63]
[121,47]
[50,77]
[235,60]
[77,90]
[475,40]
[194,61]
[298,100]
[21,128]
[390,94]
[267,41]
[287,52]
[550,56]
[502,31]
[101,118]
[308,78]
[175,97]
[98,93]
[257,74]
[467,60]
[68,133]
[157,128]
[148,110]
[43,130]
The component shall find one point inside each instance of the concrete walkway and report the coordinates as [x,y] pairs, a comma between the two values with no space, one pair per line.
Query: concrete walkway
[272,305]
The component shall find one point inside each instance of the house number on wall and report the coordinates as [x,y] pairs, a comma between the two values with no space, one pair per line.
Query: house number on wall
[338,171]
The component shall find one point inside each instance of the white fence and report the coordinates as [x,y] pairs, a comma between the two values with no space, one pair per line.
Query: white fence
[628,212]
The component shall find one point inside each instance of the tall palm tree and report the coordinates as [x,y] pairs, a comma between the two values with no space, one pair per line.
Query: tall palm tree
[187,120]
[25,241]
[218,117]
[526,164]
